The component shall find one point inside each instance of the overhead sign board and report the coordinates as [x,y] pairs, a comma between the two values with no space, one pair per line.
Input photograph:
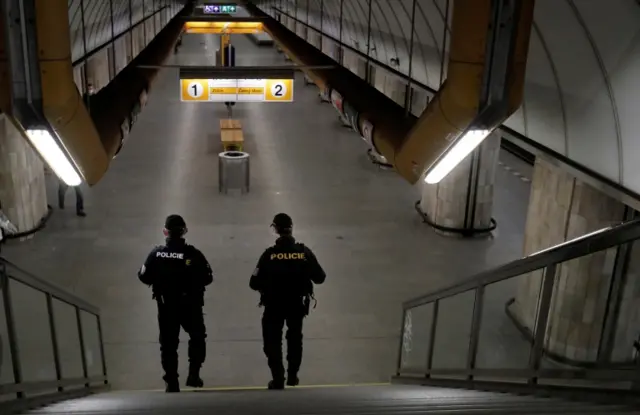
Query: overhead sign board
[236,90]
[217,27]
[219,8]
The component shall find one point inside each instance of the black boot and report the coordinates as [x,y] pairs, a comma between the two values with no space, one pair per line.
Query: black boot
[194,380]
[173,385]
[276,384]
[292,379]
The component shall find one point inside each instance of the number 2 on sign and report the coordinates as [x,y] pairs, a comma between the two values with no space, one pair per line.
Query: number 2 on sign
[278,90]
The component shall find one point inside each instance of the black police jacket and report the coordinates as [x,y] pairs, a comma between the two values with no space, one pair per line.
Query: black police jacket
[176,270]
[286,272]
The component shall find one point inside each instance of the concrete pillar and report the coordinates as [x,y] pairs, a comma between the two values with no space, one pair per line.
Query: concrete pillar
[628,316]
[327,46]
[98,70]
[121,47]
[22,186]
[291,24]
[138,40]
[77,78]
[419,101]
[395,88]
[379,79]
[355,64]
[315,38]
[462,203]
[562,208]
[301,30]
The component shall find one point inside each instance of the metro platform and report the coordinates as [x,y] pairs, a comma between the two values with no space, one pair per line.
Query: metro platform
[359,220]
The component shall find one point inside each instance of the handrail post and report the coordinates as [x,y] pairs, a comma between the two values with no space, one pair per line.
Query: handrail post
[401,348]
[11,330]
[476,324]
[54,340]
[614,299]
[85,371]
[432,337]
[542,320]
[104,360]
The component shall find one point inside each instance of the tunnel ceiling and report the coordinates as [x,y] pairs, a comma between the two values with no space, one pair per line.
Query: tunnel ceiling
[580,92]
[93,18]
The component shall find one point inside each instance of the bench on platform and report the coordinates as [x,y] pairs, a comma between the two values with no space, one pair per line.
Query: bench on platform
[231,135]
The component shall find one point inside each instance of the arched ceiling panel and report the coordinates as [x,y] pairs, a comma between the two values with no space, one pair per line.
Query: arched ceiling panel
[542,114]
[627,89]
[330,18]
[354,17]
[591,126]
[390,38]
[75,26]
[612,26]
[97,21]
[581,87]
[330,24]
[431,14]
[120,16]
[137,11]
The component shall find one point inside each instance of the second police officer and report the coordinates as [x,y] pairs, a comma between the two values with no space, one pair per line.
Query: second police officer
[178,273]
[284,277]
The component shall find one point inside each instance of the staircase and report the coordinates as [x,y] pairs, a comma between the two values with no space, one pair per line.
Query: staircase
[451,354]
[359,400]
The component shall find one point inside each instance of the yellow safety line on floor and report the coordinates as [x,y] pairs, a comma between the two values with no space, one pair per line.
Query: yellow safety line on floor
[249,388]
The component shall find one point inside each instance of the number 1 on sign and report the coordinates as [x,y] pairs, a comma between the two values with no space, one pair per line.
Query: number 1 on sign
[195,90]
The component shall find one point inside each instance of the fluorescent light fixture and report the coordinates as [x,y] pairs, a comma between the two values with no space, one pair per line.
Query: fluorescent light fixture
[465,145]
[53,155]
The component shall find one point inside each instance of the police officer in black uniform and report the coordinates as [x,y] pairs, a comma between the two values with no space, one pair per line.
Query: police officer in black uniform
[284,277]
[178,273]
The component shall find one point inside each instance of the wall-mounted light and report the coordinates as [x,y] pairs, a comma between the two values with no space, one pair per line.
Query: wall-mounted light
[461,149]
[45,144]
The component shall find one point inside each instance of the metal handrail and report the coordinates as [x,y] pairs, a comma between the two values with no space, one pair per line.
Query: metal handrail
[39,284]
[23,390]
[596,241]
[549,261]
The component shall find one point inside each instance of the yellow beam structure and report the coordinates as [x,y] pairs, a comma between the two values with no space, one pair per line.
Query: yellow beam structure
[62,103]
[231,28]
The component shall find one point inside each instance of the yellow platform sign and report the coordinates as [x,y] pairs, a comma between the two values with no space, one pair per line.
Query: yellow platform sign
[236,90]
[223,27]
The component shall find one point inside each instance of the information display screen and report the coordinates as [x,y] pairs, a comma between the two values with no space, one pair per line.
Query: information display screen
[236,90]
[219,8]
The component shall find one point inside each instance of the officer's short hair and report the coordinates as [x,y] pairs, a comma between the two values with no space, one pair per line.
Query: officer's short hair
[283,223]
[175,224]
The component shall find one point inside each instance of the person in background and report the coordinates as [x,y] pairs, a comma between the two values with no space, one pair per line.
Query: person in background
[178,273]
[62,191]
[6,227]
[284,277]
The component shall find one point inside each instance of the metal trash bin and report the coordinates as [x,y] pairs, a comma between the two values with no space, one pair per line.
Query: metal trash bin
[233,171]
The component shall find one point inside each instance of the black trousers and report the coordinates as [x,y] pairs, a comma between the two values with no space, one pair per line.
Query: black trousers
[273,320]
[189,316]
[62,191]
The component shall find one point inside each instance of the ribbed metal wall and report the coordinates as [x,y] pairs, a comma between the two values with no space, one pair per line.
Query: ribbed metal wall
[95,24]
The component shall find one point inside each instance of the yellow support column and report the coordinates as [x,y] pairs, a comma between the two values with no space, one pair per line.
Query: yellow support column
[224,41]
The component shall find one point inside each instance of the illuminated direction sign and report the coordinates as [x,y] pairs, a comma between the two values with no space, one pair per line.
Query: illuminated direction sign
[219,8]
[236,90]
